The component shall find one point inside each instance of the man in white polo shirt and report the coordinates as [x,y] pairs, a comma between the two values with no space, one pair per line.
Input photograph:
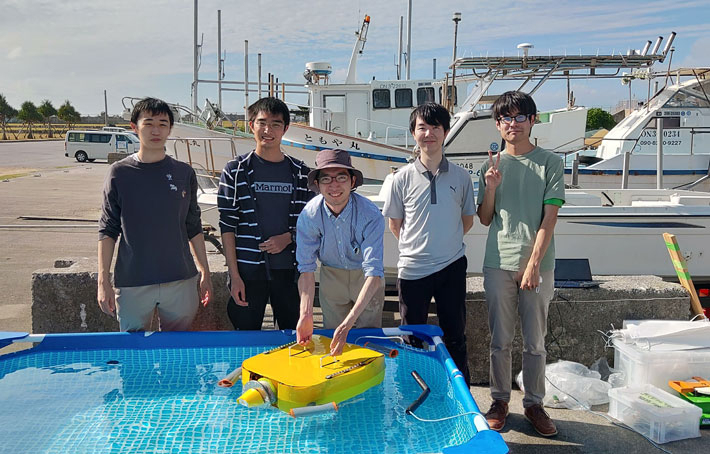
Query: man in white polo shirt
[430,207]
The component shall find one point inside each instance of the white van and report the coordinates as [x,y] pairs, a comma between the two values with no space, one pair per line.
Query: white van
[90,145]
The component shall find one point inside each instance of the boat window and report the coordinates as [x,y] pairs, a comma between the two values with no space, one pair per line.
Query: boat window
[425,95]
[381,98]
[685,99]
[451,90]
[403,97]
[336,103]
[668,122]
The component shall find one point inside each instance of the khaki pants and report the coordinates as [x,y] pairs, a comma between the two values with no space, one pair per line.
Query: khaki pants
[338,291]
[506,301]
[175,301]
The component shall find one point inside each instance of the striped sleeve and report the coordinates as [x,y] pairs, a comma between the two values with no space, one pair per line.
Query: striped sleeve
[227,204]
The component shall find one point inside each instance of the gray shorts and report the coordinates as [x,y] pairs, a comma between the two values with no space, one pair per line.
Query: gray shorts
[176,303]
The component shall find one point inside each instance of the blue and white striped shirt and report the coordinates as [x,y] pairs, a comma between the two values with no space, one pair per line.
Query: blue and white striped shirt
[350,241]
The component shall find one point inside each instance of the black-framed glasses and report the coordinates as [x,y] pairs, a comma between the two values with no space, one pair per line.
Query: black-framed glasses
[261,124]
[518,118]
[340,178]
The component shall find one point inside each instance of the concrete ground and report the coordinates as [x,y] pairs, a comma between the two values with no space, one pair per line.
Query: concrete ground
[56,187]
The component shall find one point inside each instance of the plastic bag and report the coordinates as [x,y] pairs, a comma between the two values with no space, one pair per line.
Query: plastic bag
[571,385]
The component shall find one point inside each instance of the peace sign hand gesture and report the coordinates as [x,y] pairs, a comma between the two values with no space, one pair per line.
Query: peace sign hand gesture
[493,176]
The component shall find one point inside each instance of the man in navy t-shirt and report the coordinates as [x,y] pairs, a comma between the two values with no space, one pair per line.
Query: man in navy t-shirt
[260,196]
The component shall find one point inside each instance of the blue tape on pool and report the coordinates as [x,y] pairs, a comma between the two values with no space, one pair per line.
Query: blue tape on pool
[133,392]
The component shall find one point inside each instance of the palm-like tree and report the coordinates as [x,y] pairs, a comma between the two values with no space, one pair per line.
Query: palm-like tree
[6,113]
[47,111]
[29,115]
[68,114]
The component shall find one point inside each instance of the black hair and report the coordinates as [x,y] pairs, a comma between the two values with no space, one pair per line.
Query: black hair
[270,105]
[153,106]
[512,101]
[433,114]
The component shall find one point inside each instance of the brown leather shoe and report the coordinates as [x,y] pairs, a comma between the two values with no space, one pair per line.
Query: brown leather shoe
[541,421]
[496,415]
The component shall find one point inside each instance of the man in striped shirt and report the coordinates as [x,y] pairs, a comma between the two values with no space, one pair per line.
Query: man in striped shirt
[260,197]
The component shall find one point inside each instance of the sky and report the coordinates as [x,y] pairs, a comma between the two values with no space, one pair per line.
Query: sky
[74,50]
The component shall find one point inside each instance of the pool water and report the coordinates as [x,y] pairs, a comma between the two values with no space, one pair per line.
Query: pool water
[167,401]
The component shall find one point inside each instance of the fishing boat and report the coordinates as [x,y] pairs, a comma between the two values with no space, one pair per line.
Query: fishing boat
[683,109]
[618,230]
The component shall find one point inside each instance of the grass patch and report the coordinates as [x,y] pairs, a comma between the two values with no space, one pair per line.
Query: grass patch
[10,176]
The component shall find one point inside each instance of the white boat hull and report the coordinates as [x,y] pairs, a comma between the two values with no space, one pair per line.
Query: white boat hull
[618,240]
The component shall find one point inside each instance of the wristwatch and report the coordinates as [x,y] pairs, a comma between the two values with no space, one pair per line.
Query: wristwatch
[293,236]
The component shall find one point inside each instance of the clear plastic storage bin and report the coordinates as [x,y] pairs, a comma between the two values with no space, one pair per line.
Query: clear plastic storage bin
[655,413]
[658,367]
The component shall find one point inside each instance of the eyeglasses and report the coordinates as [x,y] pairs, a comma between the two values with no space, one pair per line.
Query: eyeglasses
[261,124]
[340,178]
[518,118]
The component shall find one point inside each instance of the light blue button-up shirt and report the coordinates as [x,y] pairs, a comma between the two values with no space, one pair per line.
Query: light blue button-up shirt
[352,240]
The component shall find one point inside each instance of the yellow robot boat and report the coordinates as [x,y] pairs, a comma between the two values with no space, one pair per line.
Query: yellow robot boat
[291,377]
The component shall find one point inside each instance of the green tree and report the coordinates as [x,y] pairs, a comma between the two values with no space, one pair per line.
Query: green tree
[47,110]
[68,114]
[29,115]
[599,118]
[6,113]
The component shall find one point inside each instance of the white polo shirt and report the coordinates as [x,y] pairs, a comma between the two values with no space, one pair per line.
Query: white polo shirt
[431,206]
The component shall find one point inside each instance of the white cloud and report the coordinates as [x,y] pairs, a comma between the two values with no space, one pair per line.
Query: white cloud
[74,50]
[14,53]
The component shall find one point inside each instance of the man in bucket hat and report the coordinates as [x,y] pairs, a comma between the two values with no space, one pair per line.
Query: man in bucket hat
[344,231]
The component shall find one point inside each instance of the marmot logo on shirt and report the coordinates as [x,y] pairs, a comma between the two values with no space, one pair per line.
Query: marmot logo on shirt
[274,187]
[453,188]
[169,176]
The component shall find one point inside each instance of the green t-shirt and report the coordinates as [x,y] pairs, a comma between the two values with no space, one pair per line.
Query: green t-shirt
[529,181]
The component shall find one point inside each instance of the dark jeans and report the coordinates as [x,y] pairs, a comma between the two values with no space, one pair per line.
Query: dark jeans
[448,287]
[281,291]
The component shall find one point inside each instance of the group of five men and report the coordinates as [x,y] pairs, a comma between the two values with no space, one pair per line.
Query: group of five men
[275,231]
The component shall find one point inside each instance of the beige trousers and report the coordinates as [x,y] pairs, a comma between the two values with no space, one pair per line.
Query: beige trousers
[176,303]
[338,291]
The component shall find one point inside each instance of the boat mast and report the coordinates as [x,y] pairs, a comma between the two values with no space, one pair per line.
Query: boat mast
[194,63]
[408,57]
[357,50]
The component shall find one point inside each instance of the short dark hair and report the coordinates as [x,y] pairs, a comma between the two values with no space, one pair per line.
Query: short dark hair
[153,106]
[433,114]
[512,101]
[270,105]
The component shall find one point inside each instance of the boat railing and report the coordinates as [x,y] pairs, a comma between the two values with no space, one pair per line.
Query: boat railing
[388,127]
[206,143]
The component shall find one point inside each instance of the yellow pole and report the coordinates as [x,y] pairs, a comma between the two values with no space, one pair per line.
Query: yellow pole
[681,269]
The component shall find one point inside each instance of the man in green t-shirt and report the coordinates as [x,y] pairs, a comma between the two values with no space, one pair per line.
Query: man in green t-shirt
[519,195]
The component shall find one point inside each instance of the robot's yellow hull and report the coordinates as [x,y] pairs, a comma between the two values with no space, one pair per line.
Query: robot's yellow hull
[307,376]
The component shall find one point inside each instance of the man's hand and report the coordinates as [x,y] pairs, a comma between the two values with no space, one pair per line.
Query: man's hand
[493,176]
[304,329]
[276,243]
[340,336]
[106,298]
[237,290]
[206,291]
[530,279]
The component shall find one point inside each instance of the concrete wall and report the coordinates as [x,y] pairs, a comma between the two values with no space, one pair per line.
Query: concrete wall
[575,318]
[64,300]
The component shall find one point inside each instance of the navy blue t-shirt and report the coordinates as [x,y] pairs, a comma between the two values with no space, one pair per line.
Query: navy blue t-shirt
[273,187]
